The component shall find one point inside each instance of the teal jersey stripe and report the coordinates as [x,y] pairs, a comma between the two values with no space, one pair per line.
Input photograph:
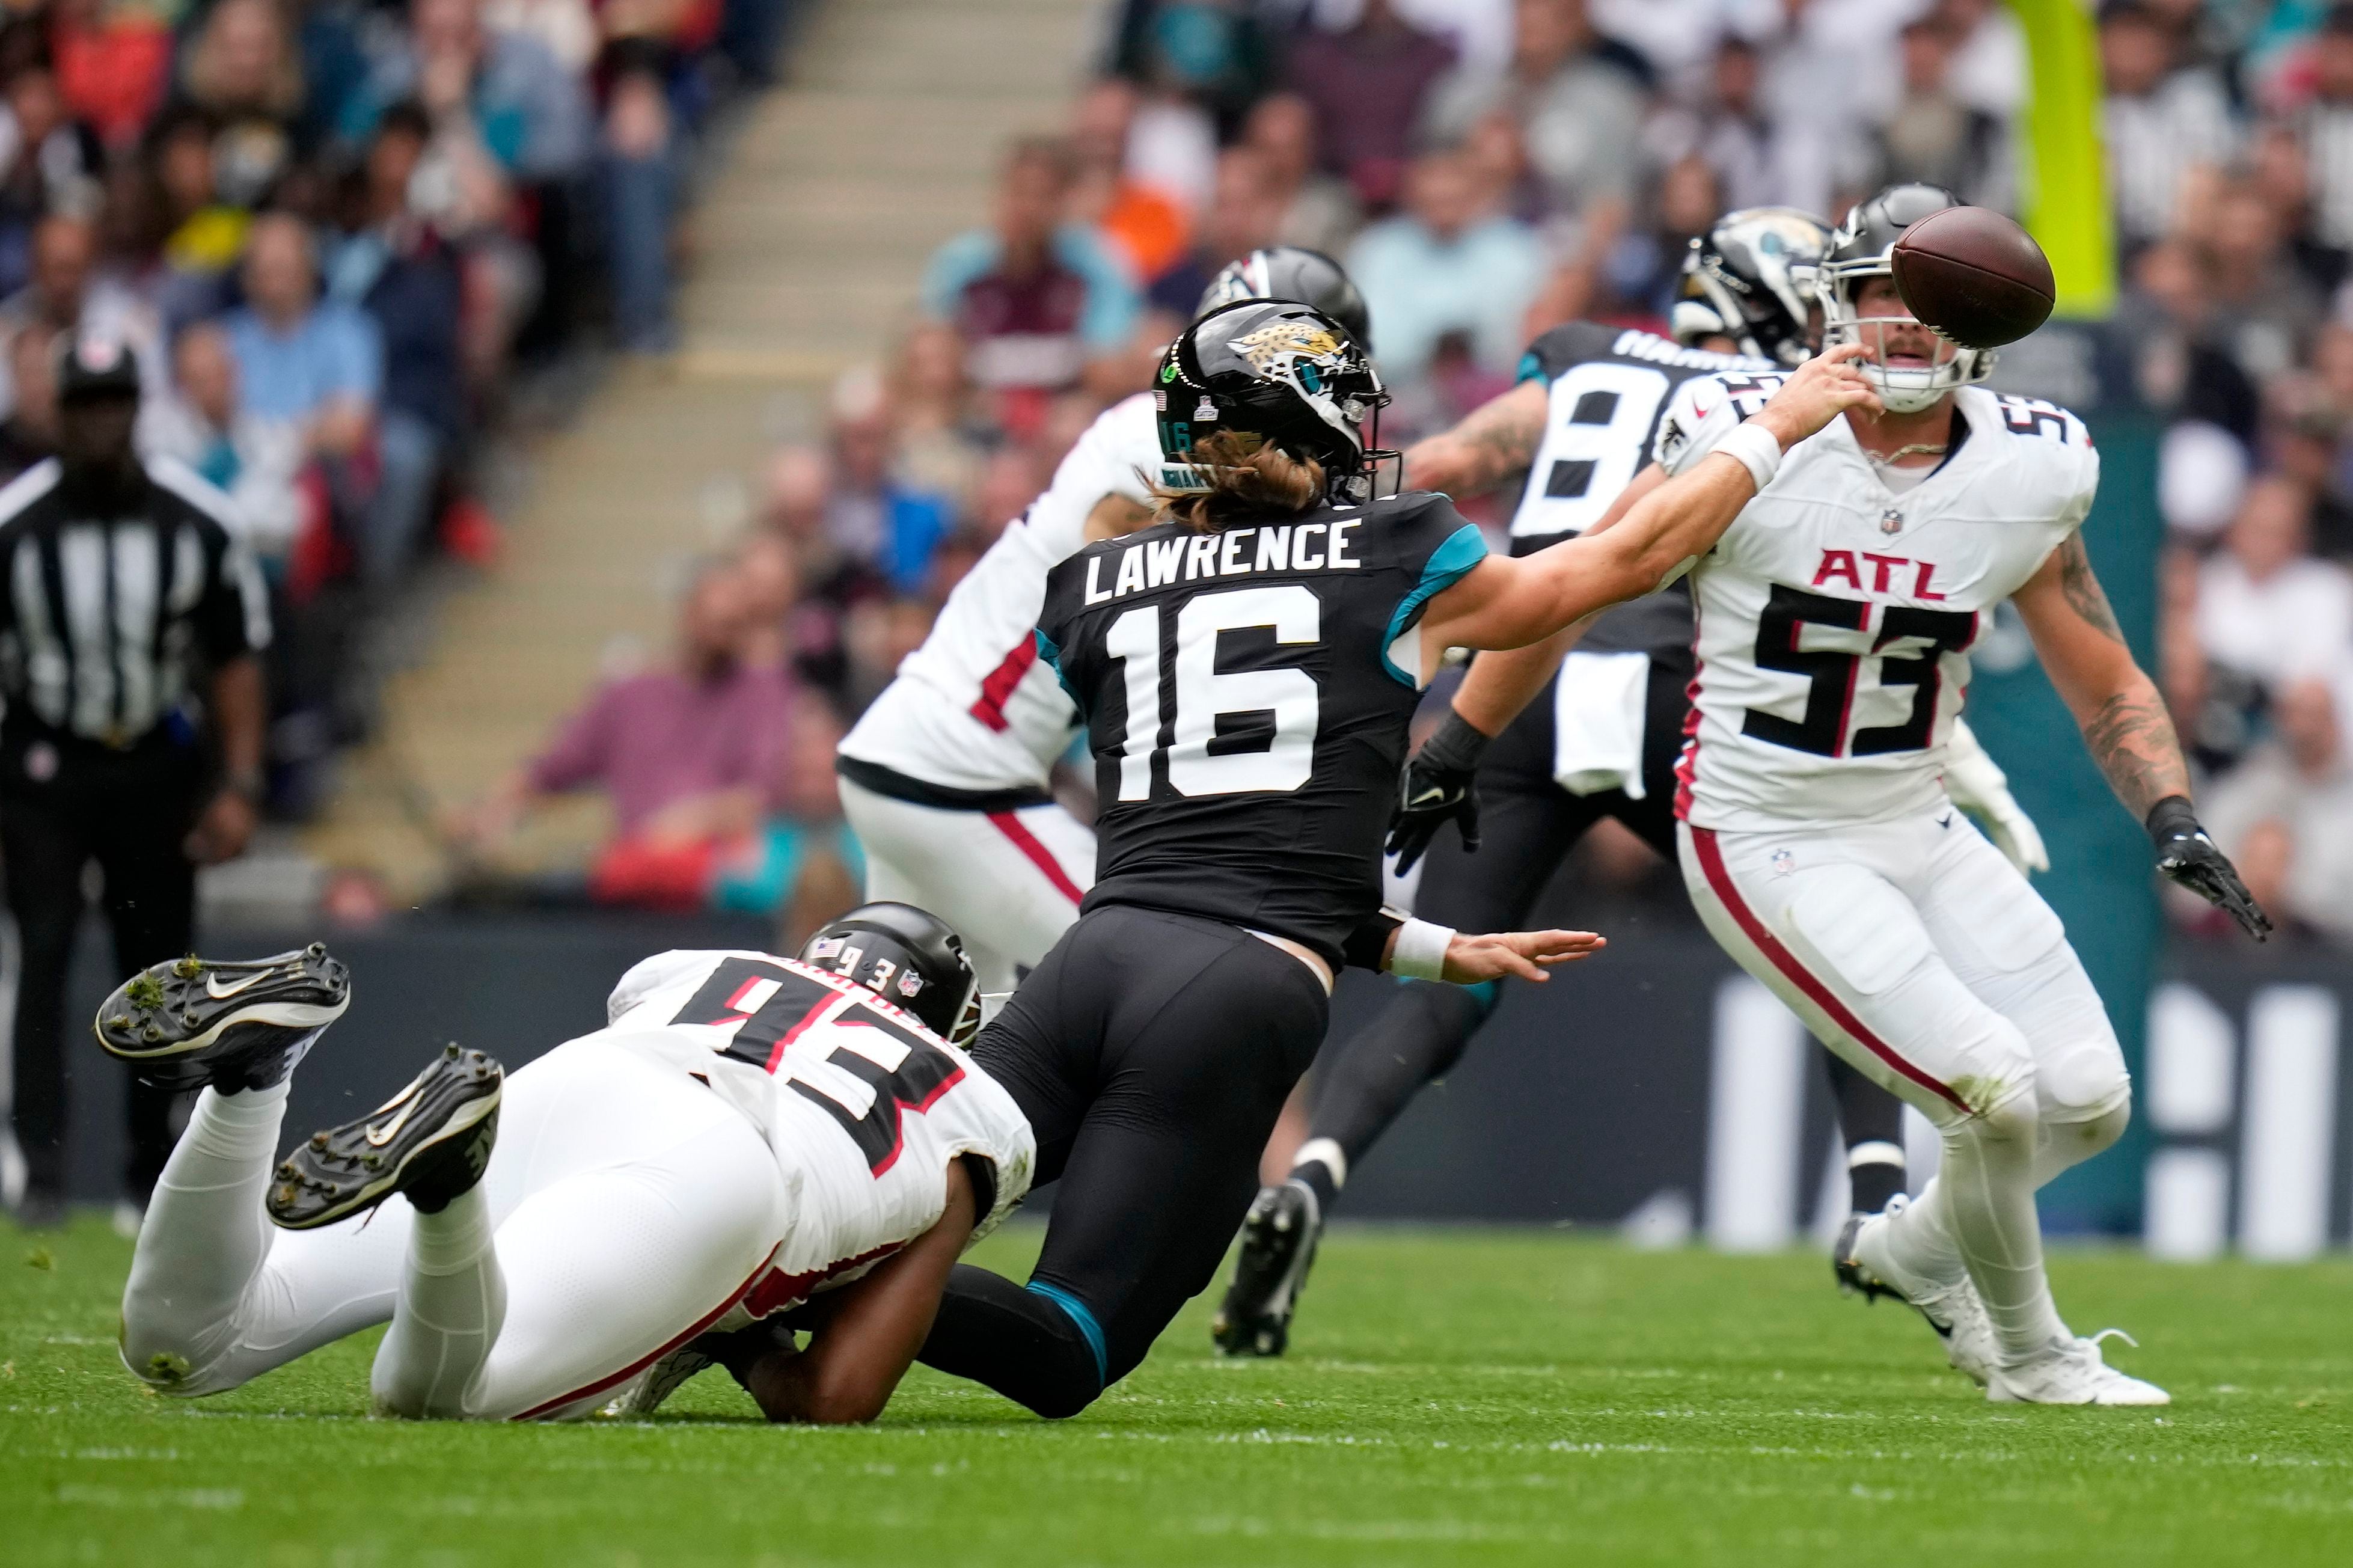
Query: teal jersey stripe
[1053,657]
[1464,549]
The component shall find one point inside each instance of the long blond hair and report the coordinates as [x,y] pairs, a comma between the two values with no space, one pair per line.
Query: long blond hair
[1250,477]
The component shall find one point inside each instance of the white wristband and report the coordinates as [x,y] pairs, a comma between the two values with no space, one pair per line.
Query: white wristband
[1756,449]
[1419,951]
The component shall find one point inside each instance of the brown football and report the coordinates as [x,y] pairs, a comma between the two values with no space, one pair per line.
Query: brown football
[1974,276]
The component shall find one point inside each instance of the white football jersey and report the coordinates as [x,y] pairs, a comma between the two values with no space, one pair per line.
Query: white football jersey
[863,1107]
[973,708]
[1836,616]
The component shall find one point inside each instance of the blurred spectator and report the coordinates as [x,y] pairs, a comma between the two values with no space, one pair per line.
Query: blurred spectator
[1366,85]
[871,513]
[190,243]
[113,63]
[1991,70]
[1442,266]
[2281,175]
[1147,225]
[395,269]
[48,164]
[797,861]
[1214,53]
[66,293]
[498,94]
[315,367]
[942,428]
[1831,70]
[1035,297]
[2262,310]
[642,160]
[1578,98]
[661,745]
[2160,125]
[2291,801]
[1319,210]
[2324,128]
[205,424]
[244,69]
[1936,137]
[2265,607]
[1757,160]
[29,432]
[1245,213]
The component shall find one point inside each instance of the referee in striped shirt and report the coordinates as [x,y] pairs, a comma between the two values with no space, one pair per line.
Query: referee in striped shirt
[131,623]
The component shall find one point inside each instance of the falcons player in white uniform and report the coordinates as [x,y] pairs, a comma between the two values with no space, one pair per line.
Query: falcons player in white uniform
[1817,837]
[747,1132]
[943,778]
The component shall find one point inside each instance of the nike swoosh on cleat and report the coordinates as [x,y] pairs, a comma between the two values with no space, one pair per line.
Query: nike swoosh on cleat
[378,1136]
[219,993]
[1946,821]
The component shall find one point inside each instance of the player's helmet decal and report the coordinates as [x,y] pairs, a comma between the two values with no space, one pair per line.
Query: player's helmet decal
[1292,273]
[1863,248]
[1752,277]
[910,958]
[1282,371]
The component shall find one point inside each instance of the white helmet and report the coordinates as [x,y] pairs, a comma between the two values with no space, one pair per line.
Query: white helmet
[1862,247]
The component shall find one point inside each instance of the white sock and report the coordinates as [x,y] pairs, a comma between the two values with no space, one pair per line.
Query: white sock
[1987,1200]
[453,1299]
[204,1237]
[1327,1152]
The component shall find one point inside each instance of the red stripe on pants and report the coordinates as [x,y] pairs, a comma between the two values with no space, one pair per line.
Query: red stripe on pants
[1039,855]
[1719,878]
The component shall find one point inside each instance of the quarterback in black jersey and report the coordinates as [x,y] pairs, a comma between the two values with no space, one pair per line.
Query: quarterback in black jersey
[1598,740]
[1247,667]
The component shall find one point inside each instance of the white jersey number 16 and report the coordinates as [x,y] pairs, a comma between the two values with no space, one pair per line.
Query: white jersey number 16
[1204,694]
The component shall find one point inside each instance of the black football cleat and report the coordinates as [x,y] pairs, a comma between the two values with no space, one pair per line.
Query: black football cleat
[1853,1279]
[429,1143]
[1278,1238]
[243,1025]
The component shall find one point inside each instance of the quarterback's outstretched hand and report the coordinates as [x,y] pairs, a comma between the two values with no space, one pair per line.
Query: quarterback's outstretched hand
[1438,787]
[1494,955]
[2188,857]
[1822,388]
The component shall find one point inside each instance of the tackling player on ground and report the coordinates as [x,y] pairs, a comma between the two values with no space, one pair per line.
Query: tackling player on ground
[1249,666]
[749,1136]
[1819,842]
[944,776]
[1599,738]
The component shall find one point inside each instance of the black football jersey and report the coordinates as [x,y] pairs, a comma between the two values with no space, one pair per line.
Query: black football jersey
[1609,387]
[1247,694]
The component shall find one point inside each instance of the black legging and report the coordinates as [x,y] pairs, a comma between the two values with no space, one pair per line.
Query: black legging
[1151,1053]
[1527,825]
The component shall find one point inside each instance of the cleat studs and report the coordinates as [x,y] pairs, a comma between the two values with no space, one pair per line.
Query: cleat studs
[450,1053]
[318,1140]
[315,950]
[152,1033]
[188,1017]
[285,1195]
[119,1020]
[286,1168]
[189,968]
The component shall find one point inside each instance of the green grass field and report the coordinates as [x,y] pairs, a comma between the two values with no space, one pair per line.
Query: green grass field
[1468,1396]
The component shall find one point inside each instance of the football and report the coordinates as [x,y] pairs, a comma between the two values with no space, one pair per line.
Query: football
[1975,276]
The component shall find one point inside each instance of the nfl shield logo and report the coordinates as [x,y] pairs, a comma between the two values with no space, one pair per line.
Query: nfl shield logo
[1890,521]
[909,984]
[1784,863]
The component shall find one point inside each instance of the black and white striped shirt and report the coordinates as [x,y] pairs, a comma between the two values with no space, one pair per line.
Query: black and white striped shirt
[106,623]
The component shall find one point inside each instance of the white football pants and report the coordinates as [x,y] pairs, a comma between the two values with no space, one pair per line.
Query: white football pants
[626,1208]
[1007,882]
[1913,949]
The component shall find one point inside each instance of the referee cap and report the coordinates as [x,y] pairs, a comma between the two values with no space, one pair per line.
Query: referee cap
[96,364]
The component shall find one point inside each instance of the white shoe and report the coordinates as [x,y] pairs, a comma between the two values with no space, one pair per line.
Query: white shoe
[2072,1372]
[1952,1308]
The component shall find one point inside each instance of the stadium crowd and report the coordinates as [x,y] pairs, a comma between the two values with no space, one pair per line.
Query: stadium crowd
[1487,168]
[344,238]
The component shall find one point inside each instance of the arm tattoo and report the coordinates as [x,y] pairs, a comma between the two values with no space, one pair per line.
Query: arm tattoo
[2082,589]
[2132,739]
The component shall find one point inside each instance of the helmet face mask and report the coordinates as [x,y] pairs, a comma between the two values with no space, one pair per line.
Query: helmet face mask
[1752,277]
[908,956]
[1862,250]
[1286,372]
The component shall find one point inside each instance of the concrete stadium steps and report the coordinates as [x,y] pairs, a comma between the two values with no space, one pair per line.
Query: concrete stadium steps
[809,246]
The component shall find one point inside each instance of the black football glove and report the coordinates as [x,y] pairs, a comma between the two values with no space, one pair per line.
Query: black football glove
[2188,857]
[1438,788]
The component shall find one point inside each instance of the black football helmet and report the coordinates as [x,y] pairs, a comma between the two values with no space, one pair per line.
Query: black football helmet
[1751,277]
[1293,273]
[1863,248]
[910,958]
[1283,371]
